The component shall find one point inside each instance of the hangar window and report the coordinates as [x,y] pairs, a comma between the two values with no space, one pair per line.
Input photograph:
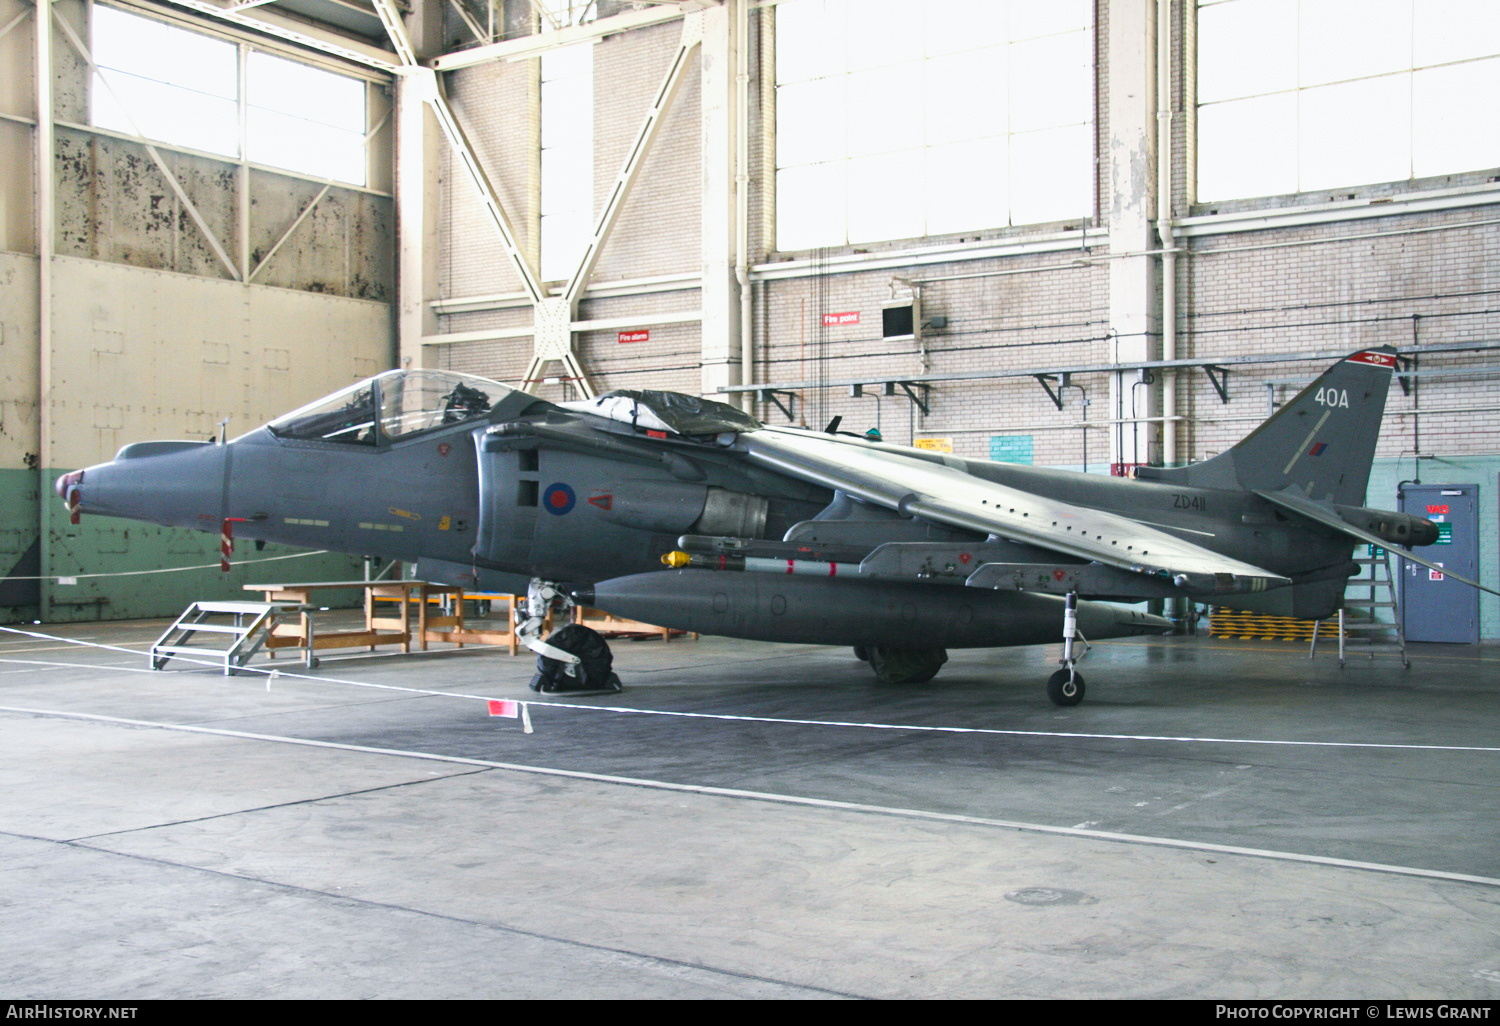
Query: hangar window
[897,120]
[1302,95]
[177,86]
[182,88]
[304,118]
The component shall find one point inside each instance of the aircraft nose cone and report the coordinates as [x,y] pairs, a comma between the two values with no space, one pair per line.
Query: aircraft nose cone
[173,484]
[67,490]
[67,484]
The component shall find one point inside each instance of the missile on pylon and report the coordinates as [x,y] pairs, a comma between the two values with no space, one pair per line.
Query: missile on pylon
[761,564]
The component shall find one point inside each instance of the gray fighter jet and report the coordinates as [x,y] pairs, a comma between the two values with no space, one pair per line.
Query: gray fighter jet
[781,534]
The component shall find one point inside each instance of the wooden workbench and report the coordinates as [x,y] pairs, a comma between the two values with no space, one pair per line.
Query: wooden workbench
[379,629]
[395,627]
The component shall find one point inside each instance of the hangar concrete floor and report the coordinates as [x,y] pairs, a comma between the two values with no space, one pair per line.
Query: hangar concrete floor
[1218,820]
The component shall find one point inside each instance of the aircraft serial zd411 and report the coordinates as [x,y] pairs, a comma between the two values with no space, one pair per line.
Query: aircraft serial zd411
[781,534]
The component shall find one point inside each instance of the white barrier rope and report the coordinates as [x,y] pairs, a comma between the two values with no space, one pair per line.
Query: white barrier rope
[59,578]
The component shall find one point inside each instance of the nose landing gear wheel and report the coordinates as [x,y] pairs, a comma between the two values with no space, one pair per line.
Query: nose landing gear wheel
[1065,688]
[594,673]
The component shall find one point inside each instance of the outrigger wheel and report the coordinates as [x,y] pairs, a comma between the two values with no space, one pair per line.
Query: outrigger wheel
[1065,687]
[594,672]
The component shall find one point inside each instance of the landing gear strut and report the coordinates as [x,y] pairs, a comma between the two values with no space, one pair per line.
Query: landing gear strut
[1065,687]
[574,658]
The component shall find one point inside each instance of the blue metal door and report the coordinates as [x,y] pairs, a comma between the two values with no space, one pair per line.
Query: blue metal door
[1433,606]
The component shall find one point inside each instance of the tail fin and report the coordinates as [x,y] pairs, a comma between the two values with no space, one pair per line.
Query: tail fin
[1322,441]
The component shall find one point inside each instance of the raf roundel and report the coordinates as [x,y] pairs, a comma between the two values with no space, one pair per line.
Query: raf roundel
[559,499]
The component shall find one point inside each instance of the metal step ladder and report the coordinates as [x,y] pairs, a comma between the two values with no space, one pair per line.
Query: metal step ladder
[1359,621]
[246,625]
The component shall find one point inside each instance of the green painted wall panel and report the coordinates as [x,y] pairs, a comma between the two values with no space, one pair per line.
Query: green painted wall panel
[122,569]
[18,535]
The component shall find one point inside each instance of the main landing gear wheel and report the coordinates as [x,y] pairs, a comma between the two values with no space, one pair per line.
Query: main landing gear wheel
[1065,687]
[906,665]
[595,669]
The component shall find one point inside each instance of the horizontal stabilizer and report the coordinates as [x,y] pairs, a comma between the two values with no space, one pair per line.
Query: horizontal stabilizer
[1329,518]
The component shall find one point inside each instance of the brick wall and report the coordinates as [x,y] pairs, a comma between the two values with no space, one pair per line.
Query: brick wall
[1410,278]
[1409,281]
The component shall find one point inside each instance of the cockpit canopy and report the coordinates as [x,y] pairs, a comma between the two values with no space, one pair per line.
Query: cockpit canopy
[671,412]
[392,406]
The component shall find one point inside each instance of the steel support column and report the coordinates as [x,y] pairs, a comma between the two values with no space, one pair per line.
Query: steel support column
[1133,307]
[1164,166]
[723,266]
[45,140]
[417,203]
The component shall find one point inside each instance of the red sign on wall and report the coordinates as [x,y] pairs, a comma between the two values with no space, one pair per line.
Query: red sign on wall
[835,319]
[634,336]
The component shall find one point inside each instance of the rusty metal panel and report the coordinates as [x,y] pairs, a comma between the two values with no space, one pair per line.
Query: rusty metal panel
[341,244]
[114,203]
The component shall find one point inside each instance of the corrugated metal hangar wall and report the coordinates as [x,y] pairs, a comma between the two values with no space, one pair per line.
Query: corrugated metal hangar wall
[181,291]
[1202,267]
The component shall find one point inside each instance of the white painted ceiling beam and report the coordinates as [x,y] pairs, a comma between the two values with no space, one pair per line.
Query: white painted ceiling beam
[532,46]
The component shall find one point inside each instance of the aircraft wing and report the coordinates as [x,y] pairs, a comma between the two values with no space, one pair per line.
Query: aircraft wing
[946,494]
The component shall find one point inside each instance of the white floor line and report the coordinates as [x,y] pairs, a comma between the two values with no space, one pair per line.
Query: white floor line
[822,803]
[275,673]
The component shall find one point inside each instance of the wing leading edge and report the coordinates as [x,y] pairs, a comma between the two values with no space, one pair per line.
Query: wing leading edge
[947,495]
